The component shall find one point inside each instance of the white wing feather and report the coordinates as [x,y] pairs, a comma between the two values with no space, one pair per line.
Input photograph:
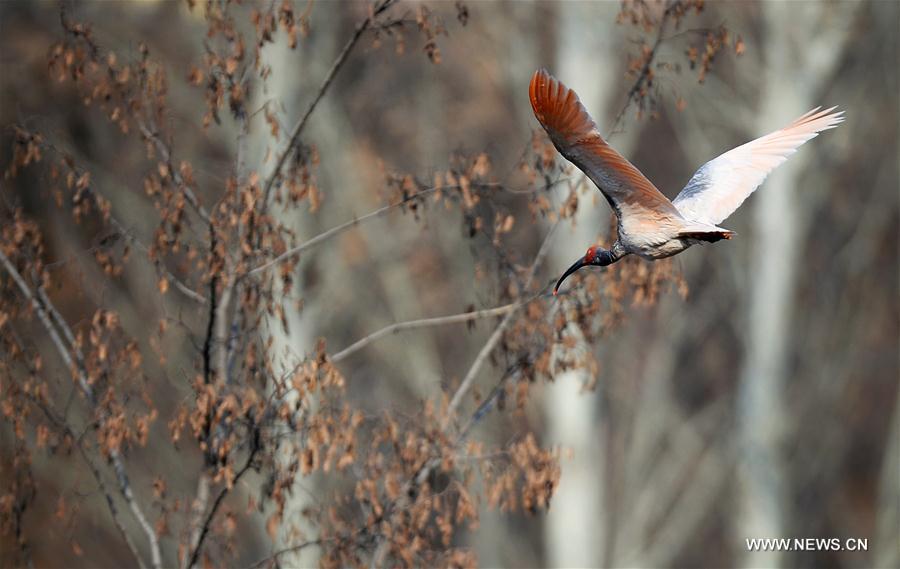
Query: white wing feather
[721,185]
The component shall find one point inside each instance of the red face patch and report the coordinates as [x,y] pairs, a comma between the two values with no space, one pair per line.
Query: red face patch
[589,256]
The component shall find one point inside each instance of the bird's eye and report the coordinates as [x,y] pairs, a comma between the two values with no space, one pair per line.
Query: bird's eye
[589,256]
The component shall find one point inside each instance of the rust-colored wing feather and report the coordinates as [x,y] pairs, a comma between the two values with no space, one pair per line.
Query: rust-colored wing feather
[575,135]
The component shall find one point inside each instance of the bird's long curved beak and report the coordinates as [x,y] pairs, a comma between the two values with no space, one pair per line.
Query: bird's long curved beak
[575,266]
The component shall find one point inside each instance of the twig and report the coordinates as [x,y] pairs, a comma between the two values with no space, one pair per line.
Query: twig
[217,341]
[46,321]
[120,229]
[114,512]
[101,485]
[492,342]
[380,212]
[179,285]
[221,329]
[337,230]
[216,328]
[335,67]
[149,131]
[423,323]
[422,475]
[204,529]
[645,69]
[211,317]
[81,373]
[198,506]
[60,322]
[485,405]
[292,549]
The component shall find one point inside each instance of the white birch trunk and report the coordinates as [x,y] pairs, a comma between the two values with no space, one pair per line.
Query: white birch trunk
[575,528]
[800,55]
[306,66]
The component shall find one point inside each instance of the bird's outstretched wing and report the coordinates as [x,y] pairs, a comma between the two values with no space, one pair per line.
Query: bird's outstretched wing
[721,185]
[575,135]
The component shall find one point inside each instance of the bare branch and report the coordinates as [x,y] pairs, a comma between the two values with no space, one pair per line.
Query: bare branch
[492,342]
[485,405]
[381,548]
[335,67]
[337,230]
[644,73]
[216,341]
[95,471]
[221,329]
[423,323]
[45,320]
[81,374]
[110,503]
[125,488]
[120,228]
[292,549]
[197,547]
[149,131]
[380,212]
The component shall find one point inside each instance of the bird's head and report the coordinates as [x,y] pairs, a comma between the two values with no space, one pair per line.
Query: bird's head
[594,256]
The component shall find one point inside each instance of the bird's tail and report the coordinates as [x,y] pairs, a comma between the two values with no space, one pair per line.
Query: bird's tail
[708,236]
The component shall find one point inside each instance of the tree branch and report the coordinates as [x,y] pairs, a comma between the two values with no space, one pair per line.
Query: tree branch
[204,529]
[292,549]
[95,471]
[485,405]
[150,132]
[337,230]
[492,342]
[121,229]
[422,475]
[176,282]
[380,212]
[644,73]
[335,67]
[424,323]
[43,313]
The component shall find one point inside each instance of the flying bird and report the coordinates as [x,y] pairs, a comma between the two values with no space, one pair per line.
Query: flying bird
[649,225]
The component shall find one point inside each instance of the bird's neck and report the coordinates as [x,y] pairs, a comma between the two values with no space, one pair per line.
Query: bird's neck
[618,250]
[609,256]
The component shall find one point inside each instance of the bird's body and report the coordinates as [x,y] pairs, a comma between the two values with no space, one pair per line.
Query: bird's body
[657,237]
[649,225]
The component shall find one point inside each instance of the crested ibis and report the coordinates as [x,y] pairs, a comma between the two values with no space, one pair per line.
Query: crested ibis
[649,225]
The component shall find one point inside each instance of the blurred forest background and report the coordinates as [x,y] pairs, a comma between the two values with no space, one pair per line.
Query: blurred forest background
[183,286]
